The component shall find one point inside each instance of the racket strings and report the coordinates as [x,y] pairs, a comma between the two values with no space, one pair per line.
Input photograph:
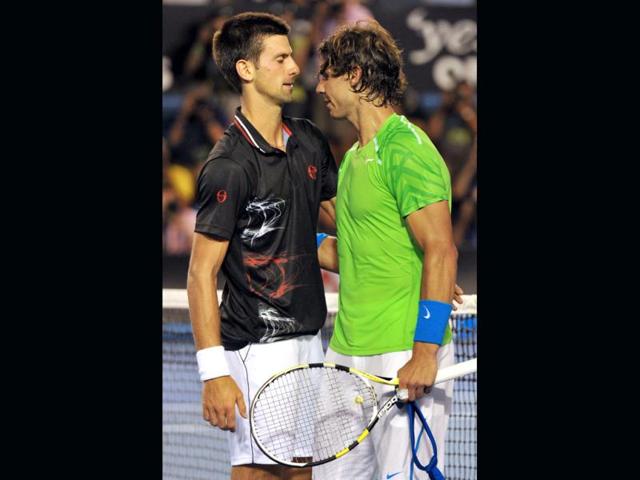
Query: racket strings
[312,413]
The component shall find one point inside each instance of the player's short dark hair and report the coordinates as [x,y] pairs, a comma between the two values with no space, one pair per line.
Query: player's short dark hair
[369,46]
[240,38]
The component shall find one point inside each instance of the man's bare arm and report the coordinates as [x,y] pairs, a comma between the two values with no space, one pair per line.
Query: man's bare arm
[207,255]
[328,250]
[328,254]
[328,214]
[221,394]
[431,228]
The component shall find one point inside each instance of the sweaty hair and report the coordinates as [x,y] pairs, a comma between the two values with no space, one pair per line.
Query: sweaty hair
[240,38]
[369,46]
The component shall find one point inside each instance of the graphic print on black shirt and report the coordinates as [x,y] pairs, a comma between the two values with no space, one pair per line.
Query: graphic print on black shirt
[265,202]
[275,323]
[264,215]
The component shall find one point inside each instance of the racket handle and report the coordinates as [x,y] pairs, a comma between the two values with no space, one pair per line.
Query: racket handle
[457,370]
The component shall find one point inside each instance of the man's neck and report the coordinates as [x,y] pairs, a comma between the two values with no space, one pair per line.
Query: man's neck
[367,119]
[266,117]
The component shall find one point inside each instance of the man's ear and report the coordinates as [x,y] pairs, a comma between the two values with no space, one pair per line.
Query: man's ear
[355,76]
[245,70]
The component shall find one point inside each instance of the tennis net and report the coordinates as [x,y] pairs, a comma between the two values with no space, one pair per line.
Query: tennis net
[193,450]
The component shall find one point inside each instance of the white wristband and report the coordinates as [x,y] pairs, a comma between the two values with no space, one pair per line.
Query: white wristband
[211,363]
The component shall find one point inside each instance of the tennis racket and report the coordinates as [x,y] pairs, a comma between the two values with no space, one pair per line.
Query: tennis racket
[311,414]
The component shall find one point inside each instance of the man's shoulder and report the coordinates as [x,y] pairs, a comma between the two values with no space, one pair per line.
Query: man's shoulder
[405,132]
[230,151]
[405,138]
[227,145]
[224,158]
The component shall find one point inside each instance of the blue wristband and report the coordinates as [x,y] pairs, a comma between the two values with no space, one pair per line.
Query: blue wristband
[433,318]
[320,237]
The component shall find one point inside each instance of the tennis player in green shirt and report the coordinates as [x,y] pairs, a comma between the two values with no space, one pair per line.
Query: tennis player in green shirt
[394,250]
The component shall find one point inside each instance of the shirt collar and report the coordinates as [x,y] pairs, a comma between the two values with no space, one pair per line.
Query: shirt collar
[252,135]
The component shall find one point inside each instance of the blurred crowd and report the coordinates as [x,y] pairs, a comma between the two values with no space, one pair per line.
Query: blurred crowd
[198,106]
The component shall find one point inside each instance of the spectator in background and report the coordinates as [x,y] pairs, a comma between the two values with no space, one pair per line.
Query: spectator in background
[454,125]
[335,13]
[178,216]
[167,190]
[465,193]
[198,65]
[453,128]
[197,127]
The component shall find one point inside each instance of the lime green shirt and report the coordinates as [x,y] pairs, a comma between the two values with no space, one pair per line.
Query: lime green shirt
[395,174]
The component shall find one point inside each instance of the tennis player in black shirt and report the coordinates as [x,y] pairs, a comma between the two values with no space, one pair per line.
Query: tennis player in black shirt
[259,195]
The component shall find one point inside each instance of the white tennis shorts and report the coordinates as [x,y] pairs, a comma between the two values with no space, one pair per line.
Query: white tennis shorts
[386,453]
[251,367]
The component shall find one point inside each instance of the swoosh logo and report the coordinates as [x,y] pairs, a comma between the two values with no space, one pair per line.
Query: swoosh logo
[427,316]
[369,160]
[389,475]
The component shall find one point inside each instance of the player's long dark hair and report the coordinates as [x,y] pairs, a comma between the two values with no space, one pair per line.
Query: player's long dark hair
[369,46]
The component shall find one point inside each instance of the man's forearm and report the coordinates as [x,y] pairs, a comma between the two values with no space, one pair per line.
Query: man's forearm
[438,284]
[439,272]
[205,321]
[328,254]
[328,215]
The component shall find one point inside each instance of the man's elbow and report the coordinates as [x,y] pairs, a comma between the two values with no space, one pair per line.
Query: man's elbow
[450,253]
[199,276]
[444,250]
[453,251]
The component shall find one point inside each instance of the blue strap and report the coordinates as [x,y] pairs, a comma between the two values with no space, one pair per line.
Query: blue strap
[431,468]
[417,443]
[320,237]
